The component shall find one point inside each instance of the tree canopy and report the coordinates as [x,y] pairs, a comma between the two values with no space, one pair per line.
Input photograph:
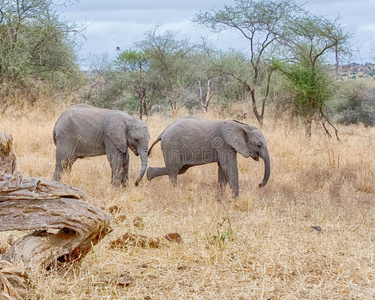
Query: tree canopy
[163,71]
[263,24]
[36,44]
[282,36]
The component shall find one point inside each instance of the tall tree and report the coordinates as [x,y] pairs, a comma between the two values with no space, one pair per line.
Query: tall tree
[167,64]
[35,43]
[263,24]
[135,64]
[203,74]
[310,42]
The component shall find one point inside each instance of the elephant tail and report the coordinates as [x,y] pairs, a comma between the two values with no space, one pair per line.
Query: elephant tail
[154,143]
[157,140]
[54,136]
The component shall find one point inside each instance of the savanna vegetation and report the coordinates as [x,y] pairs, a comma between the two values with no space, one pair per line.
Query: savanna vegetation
[261,244]
[309,234]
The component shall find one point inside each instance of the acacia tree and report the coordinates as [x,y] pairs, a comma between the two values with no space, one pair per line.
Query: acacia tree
[167,65]
[203,78]
[263,24]
[97,80]
[135,65]
[35,43]
[203,74]
[310,41]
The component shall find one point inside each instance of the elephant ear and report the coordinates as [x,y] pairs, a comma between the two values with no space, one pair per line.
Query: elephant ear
[115,128]
[236,137]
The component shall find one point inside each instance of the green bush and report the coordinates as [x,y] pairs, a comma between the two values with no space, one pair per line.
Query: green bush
[355,102]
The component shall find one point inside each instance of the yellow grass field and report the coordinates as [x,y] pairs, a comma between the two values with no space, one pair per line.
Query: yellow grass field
[258,246]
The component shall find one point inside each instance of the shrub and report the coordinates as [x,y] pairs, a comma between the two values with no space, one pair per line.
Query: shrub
[355,102]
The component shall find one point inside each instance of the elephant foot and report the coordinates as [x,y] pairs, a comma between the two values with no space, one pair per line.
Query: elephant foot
[116,183]
[56,177]
[150,173]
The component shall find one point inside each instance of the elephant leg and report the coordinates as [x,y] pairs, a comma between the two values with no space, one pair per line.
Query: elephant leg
[58,170]
[222,177]
[173,170]
[117,160]
[64,161]
[125,169]
[116,163]
[156,172]
[183,170]
[69,165]
[173,178]
[230,169]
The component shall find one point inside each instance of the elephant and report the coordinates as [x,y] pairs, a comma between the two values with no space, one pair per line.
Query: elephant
[190,141]
[85,131]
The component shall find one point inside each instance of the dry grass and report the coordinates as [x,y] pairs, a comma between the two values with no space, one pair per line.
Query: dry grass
[259,246]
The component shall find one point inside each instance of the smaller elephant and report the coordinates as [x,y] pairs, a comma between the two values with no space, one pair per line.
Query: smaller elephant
[86,131]
[189,142]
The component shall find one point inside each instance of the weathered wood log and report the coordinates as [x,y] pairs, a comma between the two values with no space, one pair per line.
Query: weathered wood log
[34,204]
[34,188]
[80,225]
[13,186]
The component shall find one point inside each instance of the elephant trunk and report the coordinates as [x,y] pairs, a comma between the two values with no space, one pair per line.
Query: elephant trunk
[267,169]
[144,159]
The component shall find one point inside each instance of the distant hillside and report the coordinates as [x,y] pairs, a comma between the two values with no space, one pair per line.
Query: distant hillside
[355,71]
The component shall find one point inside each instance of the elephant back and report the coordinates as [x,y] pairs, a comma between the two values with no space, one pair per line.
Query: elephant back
[81,120]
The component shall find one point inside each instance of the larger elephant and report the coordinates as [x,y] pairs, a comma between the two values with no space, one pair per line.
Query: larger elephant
[189,142]
[85,131]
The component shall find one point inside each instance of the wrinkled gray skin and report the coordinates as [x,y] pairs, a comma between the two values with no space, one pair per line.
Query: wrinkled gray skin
[85,131]
[189,142]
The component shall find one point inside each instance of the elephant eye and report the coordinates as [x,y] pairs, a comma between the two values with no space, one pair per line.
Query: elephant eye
[136,140]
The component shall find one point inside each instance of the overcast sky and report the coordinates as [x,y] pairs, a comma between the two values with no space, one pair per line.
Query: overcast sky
[120,23]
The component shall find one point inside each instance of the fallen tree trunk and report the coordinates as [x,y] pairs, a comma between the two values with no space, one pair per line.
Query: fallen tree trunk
[33,204]
[80,225]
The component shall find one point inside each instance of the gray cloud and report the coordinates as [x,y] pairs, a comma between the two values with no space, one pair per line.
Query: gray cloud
[114,5]
[116,23]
